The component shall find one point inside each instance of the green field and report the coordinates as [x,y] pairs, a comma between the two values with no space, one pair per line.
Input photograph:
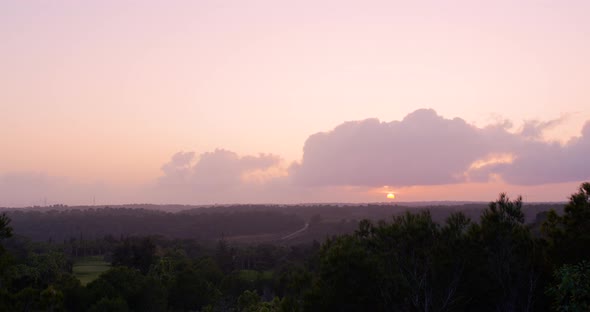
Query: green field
[252,275]
[89,268]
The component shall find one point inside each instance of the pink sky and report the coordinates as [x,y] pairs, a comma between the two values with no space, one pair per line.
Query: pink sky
[96,96]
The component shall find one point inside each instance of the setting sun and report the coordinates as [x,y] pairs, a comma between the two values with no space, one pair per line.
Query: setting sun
[390,196]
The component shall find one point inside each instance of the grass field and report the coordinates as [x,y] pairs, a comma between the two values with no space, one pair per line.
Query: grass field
[89,268]
[251,275]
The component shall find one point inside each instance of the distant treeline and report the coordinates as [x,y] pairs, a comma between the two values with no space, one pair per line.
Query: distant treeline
[407,261]
[60,225]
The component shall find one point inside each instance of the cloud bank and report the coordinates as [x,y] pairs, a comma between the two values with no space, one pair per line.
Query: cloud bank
[423,150]
[540,162]
[427,149]
[214,170]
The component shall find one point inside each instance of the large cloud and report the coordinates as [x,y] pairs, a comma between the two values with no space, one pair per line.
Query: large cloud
[424,151]
[535,128]
[216,176]
[220,176]
[427,149]
[541,162]
[218,169]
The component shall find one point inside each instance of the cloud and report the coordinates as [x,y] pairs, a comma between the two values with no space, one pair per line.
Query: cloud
[543,162]
[219,173]
[223,168]
[427,149]
[534,128]
[218,169]
[177,169]
[423,151]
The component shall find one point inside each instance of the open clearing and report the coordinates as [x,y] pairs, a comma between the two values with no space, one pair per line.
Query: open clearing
[89,268]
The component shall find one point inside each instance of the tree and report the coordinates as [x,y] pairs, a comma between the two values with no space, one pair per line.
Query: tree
[569,234]
[52,299]
[248,301]
[511,255]
[224,255]
[136,253]
[126,283]
[423,262]
[110,305]
[408,264]
[347,278]
[5,229]
[572,291]
[5,232]
[192,291]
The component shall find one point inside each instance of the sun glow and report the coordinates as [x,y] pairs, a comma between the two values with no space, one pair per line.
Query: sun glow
[390,195]
[492,159]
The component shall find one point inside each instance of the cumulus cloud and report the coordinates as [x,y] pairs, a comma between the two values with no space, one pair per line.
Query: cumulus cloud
[423,150]
[216,175]
[427,149]
[534,128]
[218,169]
[542,162]
[177,169]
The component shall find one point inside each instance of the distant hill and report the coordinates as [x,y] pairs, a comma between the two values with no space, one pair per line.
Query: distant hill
[246,222]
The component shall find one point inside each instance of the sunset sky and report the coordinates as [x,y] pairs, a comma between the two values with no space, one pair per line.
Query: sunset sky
[276,101]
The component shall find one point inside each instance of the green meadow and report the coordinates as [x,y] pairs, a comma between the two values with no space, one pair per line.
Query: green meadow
[252,275]
[88,269]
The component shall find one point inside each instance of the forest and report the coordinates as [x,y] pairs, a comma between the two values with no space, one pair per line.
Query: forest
[503,256]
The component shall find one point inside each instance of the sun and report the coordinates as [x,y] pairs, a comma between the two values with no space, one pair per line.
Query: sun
[390,195]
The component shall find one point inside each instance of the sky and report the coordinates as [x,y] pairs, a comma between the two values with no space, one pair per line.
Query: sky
[201,102]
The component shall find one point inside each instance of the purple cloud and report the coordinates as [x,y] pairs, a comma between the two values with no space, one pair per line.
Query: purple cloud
[424,148]
[220,169]
[427,149]
[542,162]
[534,128]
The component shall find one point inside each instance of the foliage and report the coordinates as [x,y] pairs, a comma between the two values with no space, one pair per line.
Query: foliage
[512,261]
[5,229]
[415,261]
[135,253]
[192,291]
[569,234]
[110,305]
[393,266]
[572,292]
